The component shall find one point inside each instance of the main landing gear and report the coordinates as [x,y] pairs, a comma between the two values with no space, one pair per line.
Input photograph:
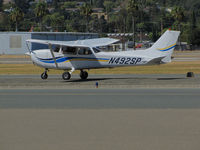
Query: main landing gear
[83,75]
[66,75]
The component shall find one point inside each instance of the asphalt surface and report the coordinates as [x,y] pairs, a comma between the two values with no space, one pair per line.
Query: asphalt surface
[104,81]
[100,98]
[142,112]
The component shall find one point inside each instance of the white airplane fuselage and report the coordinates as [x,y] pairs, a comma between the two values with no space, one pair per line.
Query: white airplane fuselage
[43,58]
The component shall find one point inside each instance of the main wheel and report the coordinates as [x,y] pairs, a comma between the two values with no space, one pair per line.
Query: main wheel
[83,75]
[66,76]
[44,75]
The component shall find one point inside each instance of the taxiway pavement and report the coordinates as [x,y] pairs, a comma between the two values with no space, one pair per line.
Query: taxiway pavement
[100,98]
[105,81]
[154,112]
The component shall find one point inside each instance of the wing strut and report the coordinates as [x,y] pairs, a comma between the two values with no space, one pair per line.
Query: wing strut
[50,47]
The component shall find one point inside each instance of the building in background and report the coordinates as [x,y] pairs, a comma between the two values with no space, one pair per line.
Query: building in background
[15,42]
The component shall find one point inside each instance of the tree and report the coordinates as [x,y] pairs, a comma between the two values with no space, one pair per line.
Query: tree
[193,30]
[133,10]
[57,21]
[86,10]
[22,4]
[16,16]
[102,25]
[55,3]
[99,3]
[178,15]
[40,12]
[108,5]
[193,20]
[162,18]
[1,4]
[123,18]
[69,5]
[141,27]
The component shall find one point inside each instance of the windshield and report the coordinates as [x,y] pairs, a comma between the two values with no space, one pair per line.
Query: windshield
[96,50]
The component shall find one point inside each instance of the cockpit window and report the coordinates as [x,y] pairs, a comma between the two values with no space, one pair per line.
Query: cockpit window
[69,50]
[96,50]
[84,51]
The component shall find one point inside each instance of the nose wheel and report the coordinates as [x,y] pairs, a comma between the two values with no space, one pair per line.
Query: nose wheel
[83,75]
[44,75]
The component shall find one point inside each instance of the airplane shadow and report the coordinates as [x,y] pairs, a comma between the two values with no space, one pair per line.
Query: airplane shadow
[170,78]
[98,79]
[87,80]
[102,79]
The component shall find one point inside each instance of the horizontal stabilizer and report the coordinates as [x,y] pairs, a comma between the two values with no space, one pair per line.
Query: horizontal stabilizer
[156,61]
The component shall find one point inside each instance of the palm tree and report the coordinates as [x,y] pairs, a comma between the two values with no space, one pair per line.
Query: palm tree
[16,16]
[178,15]
[141,27]
[162,19]
[40,12]
[133,10]
[86,10]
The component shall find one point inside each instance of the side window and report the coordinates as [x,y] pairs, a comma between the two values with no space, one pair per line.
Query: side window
[56,48]
[84,51]
[69,50]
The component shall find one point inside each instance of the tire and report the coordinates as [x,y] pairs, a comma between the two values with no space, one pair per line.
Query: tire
[66,76]
[83,75]
[44,76]
[190,74]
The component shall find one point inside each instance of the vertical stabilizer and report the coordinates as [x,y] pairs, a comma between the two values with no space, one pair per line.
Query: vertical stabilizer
[166,44]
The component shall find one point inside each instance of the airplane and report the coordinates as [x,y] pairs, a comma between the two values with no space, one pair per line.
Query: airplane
[86,54]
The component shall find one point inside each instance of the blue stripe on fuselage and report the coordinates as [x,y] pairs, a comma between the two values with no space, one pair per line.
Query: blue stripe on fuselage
[168,49]
[63,59]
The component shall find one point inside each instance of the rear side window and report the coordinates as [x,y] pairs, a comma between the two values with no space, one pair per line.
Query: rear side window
[69,50]
[84,51]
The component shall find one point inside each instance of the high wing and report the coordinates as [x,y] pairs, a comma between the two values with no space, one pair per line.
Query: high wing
[79,43]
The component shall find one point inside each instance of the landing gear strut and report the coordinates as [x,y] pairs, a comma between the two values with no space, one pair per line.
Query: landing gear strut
[44,75]
[83,75]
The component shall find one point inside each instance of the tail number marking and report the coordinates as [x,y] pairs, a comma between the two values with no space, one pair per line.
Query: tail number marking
[124,60]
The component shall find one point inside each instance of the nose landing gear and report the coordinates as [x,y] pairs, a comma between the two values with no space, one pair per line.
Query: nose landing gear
[44,75]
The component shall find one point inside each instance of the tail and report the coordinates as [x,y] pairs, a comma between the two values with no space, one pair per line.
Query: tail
[165,45]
